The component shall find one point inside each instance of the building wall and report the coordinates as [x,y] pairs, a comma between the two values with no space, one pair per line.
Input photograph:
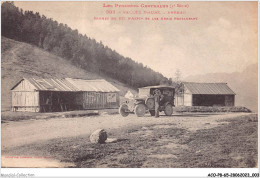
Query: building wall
[187,99]
[97,100]
[230,100]
[25,101]
[179,100]
[25,98]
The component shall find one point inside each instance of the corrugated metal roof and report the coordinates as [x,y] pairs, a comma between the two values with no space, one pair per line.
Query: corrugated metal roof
[209,88]
[69,84]
[93,85]
[52,84]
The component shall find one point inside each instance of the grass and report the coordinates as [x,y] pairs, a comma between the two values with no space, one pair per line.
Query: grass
[232,145]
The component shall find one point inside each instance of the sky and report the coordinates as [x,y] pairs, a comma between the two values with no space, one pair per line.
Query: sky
[222,39]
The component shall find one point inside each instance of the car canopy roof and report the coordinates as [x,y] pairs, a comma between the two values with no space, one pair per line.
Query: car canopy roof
[158,86]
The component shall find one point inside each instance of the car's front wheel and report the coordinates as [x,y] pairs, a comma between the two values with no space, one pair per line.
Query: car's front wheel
[123,110]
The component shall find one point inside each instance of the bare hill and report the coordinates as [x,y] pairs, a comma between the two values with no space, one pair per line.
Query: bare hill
[24,60]
[244,84]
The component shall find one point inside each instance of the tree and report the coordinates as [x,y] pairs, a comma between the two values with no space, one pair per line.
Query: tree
[177,76]
[179,87]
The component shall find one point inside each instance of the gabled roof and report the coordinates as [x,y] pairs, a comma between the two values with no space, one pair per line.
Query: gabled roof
[69,84]
[209,88]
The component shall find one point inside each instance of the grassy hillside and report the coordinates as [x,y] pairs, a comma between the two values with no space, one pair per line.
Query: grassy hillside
[244,84]
[24,60]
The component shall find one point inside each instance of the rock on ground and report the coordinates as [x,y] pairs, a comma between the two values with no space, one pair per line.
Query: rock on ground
[99,136]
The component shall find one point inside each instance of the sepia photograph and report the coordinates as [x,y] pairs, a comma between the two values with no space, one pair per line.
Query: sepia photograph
[129,84]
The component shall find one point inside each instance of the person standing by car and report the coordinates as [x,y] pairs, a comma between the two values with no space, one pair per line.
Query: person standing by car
[157,95]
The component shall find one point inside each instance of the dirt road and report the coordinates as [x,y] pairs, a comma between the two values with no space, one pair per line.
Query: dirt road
[31,131]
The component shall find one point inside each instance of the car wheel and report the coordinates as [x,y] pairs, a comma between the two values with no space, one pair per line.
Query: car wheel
[168,110]
[150,103]
[140,110]
[123,110]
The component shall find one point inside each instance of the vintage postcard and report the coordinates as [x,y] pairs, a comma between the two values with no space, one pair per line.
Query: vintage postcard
[129,84]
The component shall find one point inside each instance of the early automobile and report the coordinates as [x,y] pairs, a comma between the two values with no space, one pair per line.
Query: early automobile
[145,101]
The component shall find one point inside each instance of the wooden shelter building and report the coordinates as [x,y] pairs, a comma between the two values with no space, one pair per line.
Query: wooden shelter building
[205,94]
[52,95]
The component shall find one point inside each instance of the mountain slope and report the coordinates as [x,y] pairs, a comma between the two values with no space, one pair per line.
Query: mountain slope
[244,84]
[20,60]
[79,49]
